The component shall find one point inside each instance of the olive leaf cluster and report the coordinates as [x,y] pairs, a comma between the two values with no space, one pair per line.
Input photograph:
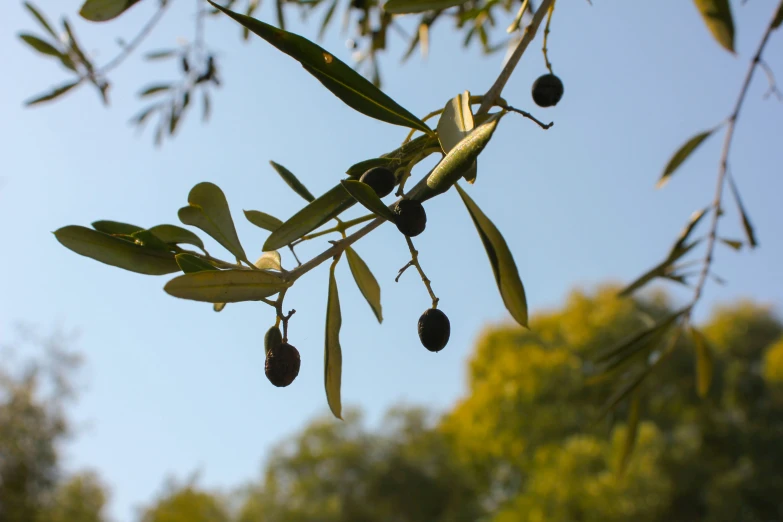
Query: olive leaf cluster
[459,138]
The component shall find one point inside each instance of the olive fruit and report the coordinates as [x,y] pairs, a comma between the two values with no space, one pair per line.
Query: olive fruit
[272,339]
[410,218]
[547,90]
[434,329]
[380,179]
[282,364]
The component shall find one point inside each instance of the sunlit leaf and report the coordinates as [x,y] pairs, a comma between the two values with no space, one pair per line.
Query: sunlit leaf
[115,251]
[365,195]
[292,181]
[731,243]
[208,210]
[263,220]
[366,282]
[115,227]
[53,94]
[226,286]
[190,263]
[348,85]
[147,239]
[324,208]
[631,430]
[681,155]
[501,260]
[104,10]
[749,233]
[418,6]
[218,307]
[704,362]
[459,159]
[175,235]
[333,355]
[717,16]
[269,260]
[454,125]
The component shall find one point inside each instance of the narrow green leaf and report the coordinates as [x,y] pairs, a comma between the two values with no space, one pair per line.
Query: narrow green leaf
[366,282]
[190,263]
[686,232]
[458,160]
[208,210]
[348,85]
[53,94]
[278,11]
[77,50]
[681,155]
[292,181]
[206,106]
[639,341]
[743,215]
[263,220]
[41,20]
[357,169]
[631,383]
[161,55]
[104,10]
[732,243]
[175,235]
[631,429]
[419,6]
[226,286]
[365,195]
[115,251]
[147,239]
[501,260]
[717,16]
[41,46]
[333,354]
[154,89]
[327,18]
[324,208]
[455,124]
[115,227]
[778,18]
[704,363]
[658,270]
[269,260]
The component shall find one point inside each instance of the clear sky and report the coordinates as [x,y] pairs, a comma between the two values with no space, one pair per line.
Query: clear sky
[172,387]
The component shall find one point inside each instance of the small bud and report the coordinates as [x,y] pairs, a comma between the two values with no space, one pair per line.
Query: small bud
[434,329]
[547,90]
[380,179]
[410,218]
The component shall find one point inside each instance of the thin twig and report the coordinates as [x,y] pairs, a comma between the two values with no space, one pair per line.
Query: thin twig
[530,32]
[773,86]
[128,49]
[546,38]
[415,262]
[526,114]
[518,19]
[724,163]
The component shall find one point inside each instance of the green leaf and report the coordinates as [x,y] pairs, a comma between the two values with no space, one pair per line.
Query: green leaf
[292,181]
[190,263]
[686,232]
[161,55]
[175,235]
[115,227]
[732,243]
[454,125]
[327,18]
[269,260]
[501,260]
[51,95]
[333,354]
[208,210]
[365,195]
[631,383]
[218,307]
[324,208]
[743,215]
[458,160]
[366,282]
[717,16]
[419,6]
[704,363]
[658,270]
[115,251]
[348,85]
[357,169]
[147,239]
[104,10]
[263,220]
[41,46]
[226,286]
[631,429]
[778,18]
[76,48]
[681,155]
[637,343]
[154,89]
[41,20]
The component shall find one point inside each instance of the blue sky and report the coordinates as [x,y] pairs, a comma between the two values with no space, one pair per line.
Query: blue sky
[171,386]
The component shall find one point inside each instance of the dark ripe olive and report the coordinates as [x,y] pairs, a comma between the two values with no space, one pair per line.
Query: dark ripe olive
[282,365]
[410,218]
[434,329]
[547,90]
[380,179]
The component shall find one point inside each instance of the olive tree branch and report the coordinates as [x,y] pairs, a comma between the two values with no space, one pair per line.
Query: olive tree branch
[415,262]
[724,163]
[530,32]
[128,49]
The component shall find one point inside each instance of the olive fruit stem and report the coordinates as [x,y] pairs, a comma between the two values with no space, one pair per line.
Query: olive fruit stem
[341,227]
[518,19]
[280,316]
[415,262]
[546,37]
[529,116]
[406,169]
[530,32]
